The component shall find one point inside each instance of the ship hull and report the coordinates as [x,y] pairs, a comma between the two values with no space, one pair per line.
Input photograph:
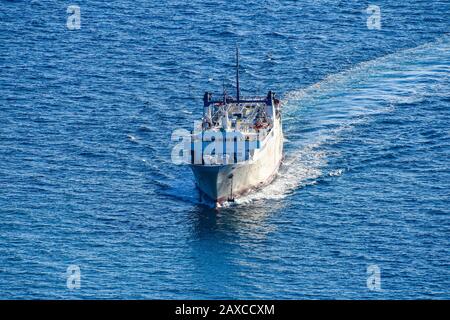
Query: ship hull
[227,182]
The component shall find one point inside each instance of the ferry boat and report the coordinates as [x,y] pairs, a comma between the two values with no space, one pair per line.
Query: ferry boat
[238,148]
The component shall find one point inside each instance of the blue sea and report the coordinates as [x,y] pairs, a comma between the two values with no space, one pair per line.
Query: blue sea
[86,177]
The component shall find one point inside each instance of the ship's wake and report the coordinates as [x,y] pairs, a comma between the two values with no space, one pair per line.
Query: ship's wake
[323,114]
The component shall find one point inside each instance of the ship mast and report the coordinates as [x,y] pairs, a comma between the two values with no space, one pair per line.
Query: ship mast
[238,91]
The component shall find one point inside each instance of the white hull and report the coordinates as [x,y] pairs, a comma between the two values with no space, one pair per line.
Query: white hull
[229,181]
